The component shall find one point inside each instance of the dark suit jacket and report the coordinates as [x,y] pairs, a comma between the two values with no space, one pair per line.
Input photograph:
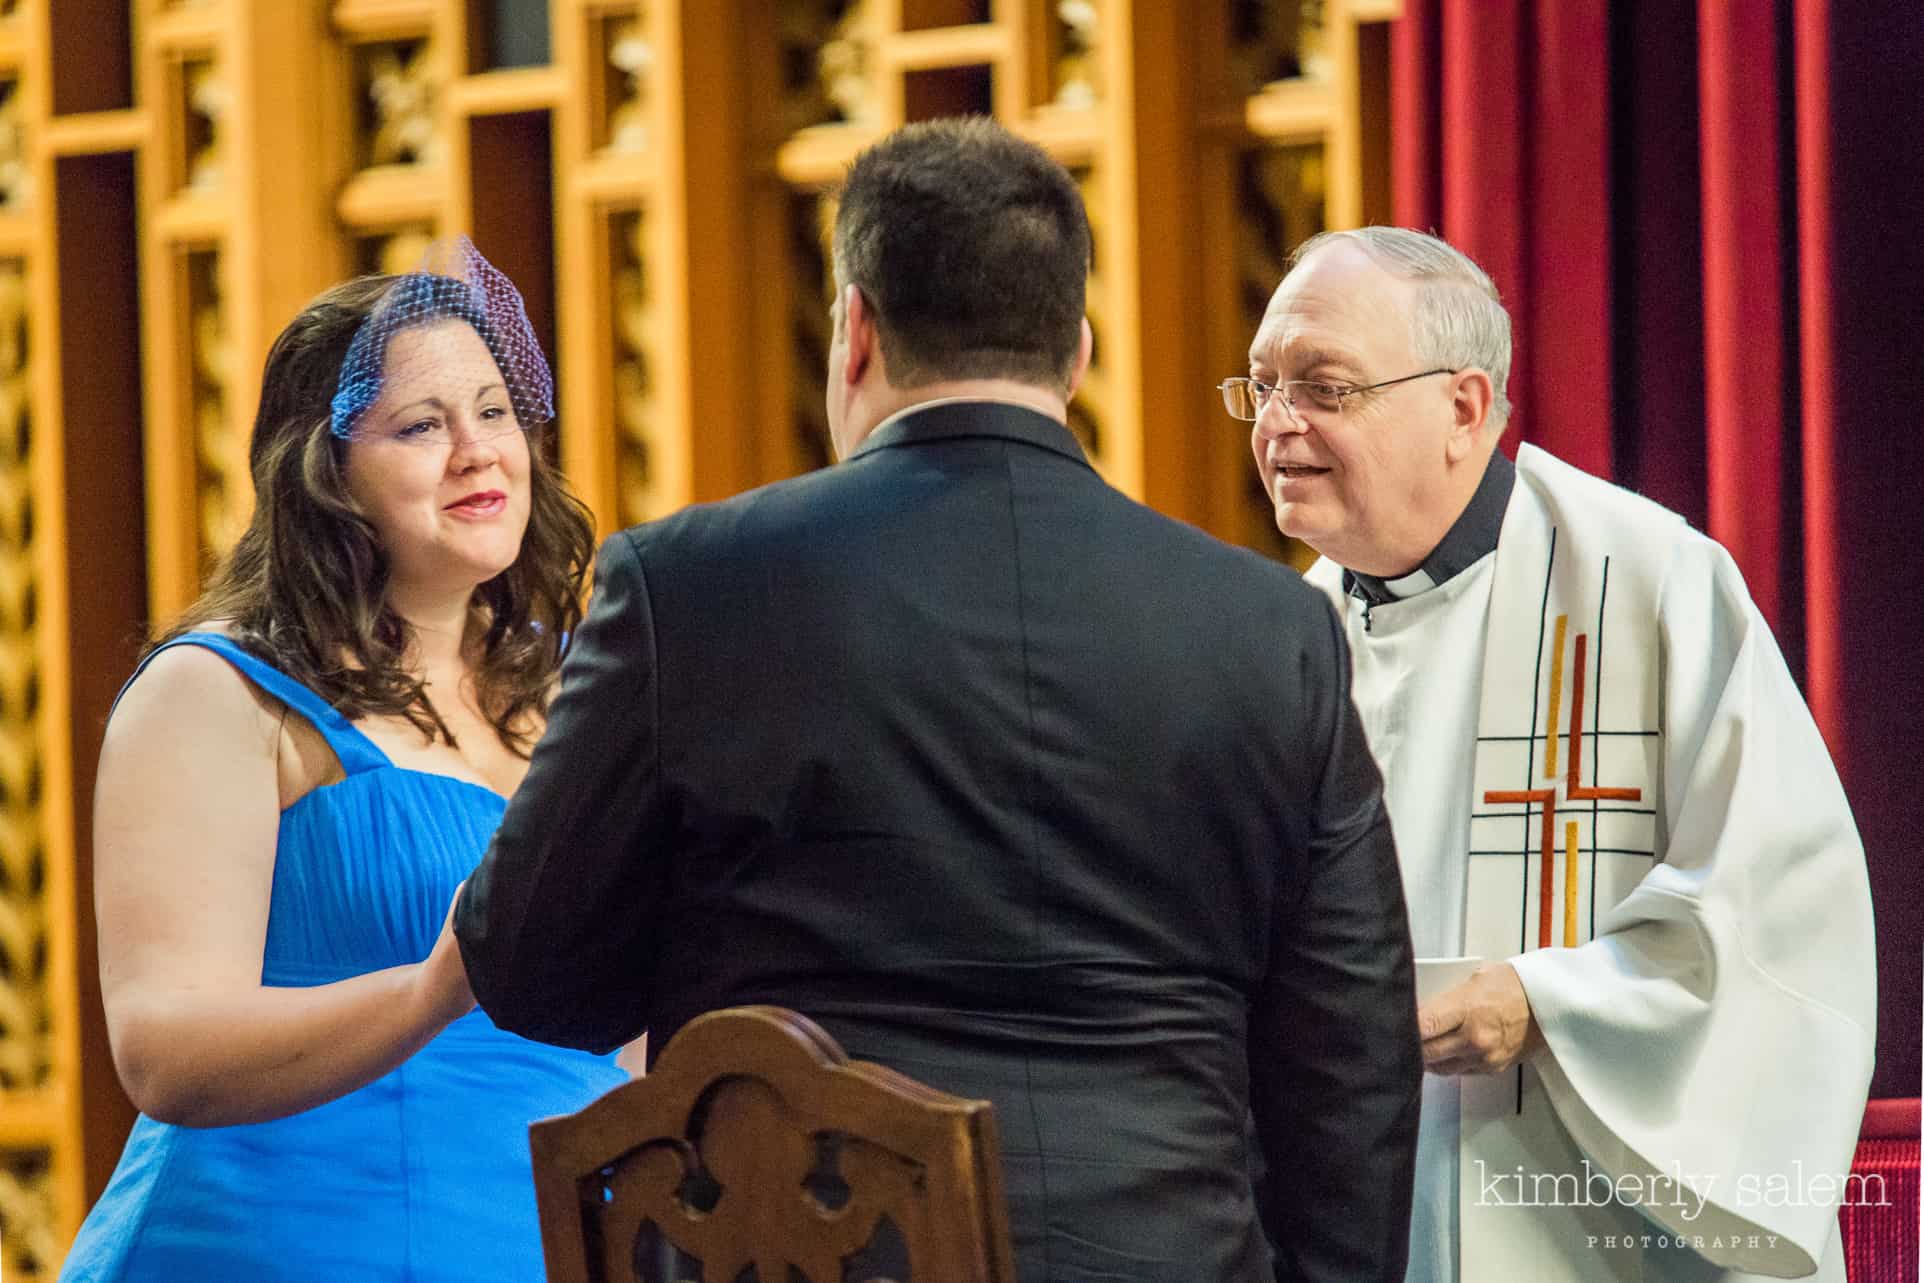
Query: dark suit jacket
[1018,787]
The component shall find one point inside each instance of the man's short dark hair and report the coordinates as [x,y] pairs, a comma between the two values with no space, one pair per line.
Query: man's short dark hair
[972,246]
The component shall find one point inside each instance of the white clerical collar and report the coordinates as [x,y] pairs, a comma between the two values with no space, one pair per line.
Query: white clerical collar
[1417,581]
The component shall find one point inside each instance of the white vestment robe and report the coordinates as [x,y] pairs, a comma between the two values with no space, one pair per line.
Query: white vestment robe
[1598,768]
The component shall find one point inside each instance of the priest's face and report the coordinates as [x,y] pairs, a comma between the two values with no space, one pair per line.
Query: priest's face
[1364,483]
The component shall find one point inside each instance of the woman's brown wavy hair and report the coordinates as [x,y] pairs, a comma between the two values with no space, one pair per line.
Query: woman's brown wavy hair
[305,587]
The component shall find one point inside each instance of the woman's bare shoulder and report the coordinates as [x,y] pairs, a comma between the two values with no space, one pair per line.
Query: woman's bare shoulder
[193,689]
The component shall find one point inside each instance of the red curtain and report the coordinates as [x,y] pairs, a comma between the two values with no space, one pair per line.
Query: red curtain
[1708,224]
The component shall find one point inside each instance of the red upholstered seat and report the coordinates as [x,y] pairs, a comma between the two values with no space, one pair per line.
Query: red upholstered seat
[1879,1219]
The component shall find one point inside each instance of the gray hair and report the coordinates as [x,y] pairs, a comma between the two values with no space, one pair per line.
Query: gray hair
[1459,321]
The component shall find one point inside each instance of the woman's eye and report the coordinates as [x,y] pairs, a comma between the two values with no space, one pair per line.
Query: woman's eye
[419,428]
[493,412]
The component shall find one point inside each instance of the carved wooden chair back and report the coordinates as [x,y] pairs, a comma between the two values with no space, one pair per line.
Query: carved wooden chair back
[756,1141]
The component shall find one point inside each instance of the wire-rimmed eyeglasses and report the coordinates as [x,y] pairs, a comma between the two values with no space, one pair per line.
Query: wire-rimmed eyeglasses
[1244,398]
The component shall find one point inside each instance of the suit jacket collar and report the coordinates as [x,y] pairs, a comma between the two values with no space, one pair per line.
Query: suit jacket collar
[945,420]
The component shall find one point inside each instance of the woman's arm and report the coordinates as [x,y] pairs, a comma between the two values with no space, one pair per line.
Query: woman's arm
[186,813]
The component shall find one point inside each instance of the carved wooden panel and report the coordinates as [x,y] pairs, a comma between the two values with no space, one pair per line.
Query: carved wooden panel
[226,494]
[628,53]
[827,57]
[1074,54]
[398,83]
[1272,40]
[26,1051]
[207,98]
[30,1246]
[635,325]
[39,1142]
[16,176]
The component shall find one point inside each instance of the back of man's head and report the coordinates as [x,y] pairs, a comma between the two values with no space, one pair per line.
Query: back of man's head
[972,247]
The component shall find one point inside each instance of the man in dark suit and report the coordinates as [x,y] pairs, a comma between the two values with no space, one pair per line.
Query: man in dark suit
[1006,780]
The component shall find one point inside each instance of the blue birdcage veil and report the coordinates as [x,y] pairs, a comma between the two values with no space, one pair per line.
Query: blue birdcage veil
[454,282]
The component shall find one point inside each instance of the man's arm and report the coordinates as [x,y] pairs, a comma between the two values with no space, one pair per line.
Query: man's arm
[555,924]
[1335,1063]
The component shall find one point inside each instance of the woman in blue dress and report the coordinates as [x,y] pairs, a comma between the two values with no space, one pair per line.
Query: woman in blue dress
[291,790]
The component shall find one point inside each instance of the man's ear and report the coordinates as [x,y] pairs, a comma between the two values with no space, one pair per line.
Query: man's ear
[864,345]
[1086,351]
[1470,409]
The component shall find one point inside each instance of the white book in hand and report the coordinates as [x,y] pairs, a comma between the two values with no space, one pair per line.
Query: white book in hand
[1434,975]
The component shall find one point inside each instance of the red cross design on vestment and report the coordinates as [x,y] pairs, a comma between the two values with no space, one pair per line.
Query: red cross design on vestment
[1574,790]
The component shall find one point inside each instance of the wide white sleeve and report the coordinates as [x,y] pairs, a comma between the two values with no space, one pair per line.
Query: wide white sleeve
[1720,1027]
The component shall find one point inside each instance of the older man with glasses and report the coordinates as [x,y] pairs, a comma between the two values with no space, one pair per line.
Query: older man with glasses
[1636,892]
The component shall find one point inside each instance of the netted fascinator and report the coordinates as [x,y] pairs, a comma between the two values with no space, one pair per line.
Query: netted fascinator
[454,282]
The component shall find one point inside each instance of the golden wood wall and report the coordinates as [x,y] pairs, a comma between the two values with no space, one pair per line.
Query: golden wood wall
[178,176]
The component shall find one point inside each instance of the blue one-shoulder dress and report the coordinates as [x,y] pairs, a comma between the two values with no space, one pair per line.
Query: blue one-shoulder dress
[422,1175]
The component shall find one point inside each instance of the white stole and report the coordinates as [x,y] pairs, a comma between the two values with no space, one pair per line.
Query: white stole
[1564,824]
[1712,1047]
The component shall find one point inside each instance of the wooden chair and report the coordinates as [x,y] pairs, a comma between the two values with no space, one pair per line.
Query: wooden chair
[756,1141]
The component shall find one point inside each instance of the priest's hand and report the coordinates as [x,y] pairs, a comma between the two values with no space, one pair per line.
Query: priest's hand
[1482,1026]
